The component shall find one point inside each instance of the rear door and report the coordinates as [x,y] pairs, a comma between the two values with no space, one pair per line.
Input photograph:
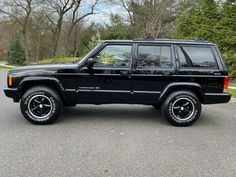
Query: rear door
[153,69]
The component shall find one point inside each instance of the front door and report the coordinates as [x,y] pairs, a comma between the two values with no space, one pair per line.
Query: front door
[109,80]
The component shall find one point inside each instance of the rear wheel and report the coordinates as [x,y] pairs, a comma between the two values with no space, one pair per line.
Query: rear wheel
[41,105]
[182,108]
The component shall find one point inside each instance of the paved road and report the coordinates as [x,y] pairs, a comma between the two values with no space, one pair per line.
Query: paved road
[117,141]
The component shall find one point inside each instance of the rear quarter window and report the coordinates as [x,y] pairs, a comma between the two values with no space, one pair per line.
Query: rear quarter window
[201,57]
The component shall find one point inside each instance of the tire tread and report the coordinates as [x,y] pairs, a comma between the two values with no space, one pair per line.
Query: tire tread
[48,90]
[165,106]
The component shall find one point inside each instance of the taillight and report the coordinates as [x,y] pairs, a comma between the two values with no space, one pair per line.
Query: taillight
[9,80]
[226,82]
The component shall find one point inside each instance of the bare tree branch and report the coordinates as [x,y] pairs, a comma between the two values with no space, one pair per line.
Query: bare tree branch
[24,9]
[61,7]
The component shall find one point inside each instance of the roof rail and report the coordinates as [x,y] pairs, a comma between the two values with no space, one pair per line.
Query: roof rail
[201,40]
[145,39]
[181,40]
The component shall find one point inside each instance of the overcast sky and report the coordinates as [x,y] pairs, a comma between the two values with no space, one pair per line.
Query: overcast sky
[104,10]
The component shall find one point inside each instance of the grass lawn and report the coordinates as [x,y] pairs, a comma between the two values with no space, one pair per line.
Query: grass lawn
[46,61]
[5,67]
[232,84]
[233,92]
[58,60]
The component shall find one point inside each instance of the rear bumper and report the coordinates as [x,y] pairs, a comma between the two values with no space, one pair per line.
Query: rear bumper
[214,98]
[12,93]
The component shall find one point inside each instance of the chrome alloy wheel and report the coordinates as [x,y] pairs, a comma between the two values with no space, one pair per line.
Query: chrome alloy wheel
[40,106]
[183,109]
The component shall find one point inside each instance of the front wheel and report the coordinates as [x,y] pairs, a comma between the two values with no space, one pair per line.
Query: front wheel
[182,108]
[41,105]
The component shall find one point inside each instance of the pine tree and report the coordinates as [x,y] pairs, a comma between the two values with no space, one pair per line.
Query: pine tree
[214,23]
[198,20]
[16,53]
[228,35]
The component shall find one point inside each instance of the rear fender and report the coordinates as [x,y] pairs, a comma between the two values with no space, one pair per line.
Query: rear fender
[176,86]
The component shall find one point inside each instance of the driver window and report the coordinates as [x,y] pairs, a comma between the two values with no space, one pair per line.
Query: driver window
[114,56]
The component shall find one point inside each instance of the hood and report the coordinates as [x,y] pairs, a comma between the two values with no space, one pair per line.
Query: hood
[46,69]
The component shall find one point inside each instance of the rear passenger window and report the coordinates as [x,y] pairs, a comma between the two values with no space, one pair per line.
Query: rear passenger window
[154,56]
[196,57]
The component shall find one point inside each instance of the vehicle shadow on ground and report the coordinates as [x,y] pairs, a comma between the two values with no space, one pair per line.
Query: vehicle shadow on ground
[111,112]
[87,113]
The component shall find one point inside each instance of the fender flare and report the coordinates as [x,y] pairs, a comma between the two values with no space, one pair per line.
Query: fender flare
[44,80]
[180,86]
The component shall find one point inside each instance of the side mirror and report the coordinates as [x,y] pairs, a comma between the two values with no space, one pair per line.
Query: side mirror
[90,63]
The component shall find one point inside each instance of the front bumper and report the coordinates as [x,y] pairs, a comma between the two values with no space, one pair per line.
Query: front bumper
[12,93]
[214,98]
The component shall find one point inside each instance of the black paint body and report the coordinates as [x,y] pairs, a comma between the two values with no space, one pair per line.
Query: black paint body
[77,84]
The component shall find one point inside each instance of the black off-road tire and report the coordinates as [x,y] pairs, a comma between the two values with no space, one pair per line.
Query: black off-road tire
[51,105]
[191,108]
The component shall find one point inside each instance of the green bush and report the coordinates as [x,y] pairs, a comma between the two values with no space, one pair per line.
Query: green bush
[58,60]
[16,53]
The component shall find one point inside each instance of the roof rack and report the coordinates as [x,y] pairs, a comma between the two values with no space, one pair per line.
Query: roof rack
[201,40]
[181,40]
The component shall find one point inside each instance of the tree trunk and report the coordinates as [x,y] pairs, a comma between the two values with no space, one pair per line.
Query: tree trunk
[73,30]
[38,46]
[56,36]
[75,41]
[26,46]
[67,45]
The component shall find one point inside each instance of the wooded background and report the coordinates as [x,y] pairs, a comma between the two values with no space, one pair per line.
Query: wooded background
[33,30]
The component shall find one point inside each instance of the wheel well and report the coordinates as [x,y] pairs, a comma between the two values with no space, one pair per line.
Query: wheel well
[52,85]
[195,90]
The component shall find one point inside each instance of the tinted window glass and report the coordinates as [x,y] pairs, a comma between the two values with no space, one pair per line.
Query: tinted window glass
[197,57]
[154,57]
[114,56]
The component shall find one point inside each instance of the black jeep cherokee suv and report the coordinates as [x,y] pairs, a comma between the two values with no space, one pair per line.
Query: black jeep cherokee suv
[177,76]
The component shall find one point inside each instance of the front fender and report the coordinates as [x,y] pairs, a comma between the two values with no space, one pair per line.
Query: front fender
[40,80]
[48,81]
